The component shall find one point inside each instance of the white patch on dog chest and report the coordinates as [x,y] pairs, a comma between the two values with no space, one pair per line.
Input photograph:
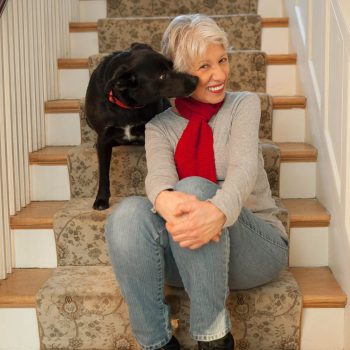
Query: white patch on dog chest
[127,134]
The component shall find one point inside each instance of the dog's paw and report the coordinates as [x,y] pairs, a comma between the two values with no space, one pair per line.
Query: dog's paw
[101,204]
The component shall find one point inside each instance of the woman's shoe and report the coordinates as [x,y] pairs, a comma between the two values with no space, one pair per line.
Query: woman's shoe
[225,343]
[172,345]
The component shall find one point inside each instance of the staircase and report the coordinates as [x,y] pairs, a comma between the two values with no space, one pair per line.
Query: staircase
[80,299]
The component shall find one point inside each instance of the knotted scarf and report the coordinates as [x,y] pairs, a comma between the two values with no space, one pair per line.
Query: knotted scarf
[194,154]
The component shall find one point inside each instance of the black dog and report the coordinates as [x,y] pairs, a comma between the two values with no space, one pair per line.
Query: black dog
[125,91]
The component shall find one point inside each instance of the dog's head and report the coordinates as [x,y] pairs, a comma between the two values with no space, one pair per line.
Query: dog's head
[142,76]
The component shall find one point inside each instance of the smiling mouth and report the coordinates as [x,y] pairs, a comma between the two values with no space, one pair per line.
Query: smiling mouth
[217,88]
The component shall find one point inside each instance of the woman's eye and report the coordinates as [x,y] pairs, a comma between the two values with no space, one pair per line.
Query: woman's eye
[204,66]
[224,60]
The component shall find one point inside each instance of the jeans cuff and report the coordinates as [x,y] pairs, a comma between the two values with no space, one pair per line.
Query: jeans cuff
[157,345]
[210,337]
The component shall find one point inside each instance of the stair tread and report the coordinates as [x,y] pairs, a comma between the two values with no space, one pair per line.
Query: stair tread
[297,152]
[62,106]
[37,215]
[83,63]
[290,152]
[306,212]
[51,155]
[274,22]
[73,105]
[303,213]
[21,287]
[318,286]
[287,102]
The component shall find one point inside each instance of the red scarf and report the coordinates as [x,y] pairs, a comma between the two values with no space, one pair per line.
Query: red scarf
[194,154]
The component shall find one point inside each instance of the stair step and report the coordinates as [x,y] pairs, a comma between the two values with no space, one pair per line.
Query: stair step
[290,152]
[288,102]
[36,215]
[307,212]
[21,286]
[82,63]
[73,105]
[302,213]
[52,155]
[318,286]
[83,27]
[297,152]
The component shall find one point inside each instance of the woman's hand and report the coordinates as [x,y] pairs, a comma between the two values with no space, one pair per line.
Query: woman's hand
[166,203]
[202,223]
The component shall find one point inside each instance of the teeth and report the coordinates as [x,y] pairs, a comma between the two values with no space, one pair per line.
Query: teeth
[216,88]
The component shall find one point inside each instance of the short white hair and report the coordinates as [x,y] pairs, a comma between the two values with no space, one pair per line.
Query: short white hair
[187,38]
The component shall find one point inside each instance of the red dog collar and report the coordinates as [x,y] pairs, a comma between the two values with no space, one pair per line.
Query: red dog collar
[114,100]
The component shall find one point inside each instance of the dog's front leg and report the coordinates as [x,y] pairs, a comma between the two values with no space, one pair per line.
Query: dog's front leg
[104,154]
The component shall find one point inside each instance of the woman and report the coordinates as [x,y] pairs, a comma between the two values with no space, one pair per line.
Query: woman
[209,223]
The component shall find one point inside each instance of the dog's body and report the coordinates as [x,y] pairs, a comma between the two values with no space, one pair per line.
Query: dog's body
[125,91]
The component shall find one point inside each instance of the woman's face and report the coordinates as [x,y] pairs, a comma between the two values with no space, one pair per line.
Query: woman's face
[212,69]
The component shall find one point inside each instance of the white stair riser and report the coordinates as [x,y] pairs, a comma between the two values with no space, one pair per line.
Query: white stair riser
[62,129]
[298,180]
[19,329]
[288,125]
[34,248]
[271,8]
[321,329]
[273,41]
[49,182]
[92,10]
[83,44]
[308,247]
[73,82]
[281,80]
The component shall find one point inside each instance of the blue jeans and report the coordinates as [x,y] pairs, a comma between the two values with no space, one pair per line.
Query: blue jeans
[145,257]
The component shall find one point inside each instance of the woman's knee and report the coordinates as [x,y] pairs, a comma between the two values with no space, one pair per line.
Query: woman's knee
[126,217]
[198,186]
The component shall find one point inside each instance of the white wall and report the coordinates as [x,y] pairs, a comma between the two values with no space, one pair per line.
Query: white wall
[321,38]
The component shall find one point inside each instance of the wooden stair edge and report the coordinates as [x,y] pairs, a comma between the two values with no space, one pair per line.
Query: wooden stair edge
[288,102]
[50,155]
[36,215]
[82,63]
[290,152]
[306,212]
[319,287]
[297,152]
[62,106]
[20,288]
[73,105]
[302,213]
[266,22]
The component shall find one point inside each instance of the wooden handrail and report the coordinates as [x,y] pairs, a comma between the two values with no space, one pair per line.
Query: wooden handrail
[2,6]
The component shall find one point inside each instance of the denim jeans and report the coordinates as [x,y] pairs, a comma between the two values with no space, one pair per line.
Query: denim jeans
[145,257]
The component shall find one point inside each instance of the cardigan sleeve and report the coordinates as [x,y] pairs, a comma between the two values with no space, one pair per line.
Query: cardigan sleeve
[161,169]
[243,159]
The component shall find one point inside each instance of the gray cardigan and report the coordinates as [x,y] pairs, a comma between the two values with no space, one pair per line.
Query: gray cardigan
[238,158]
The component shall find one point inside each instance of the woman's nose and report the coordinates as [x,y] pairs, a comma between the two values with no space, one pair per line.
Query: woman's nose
[219,73]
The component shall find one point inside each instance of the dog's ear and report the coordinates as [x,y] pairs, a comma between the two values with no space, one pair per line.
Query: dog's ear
[140,46]
[116,74]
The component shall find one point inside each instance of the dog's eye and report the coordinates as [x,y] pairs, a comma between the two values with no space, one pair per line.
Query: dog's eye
[162,77]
